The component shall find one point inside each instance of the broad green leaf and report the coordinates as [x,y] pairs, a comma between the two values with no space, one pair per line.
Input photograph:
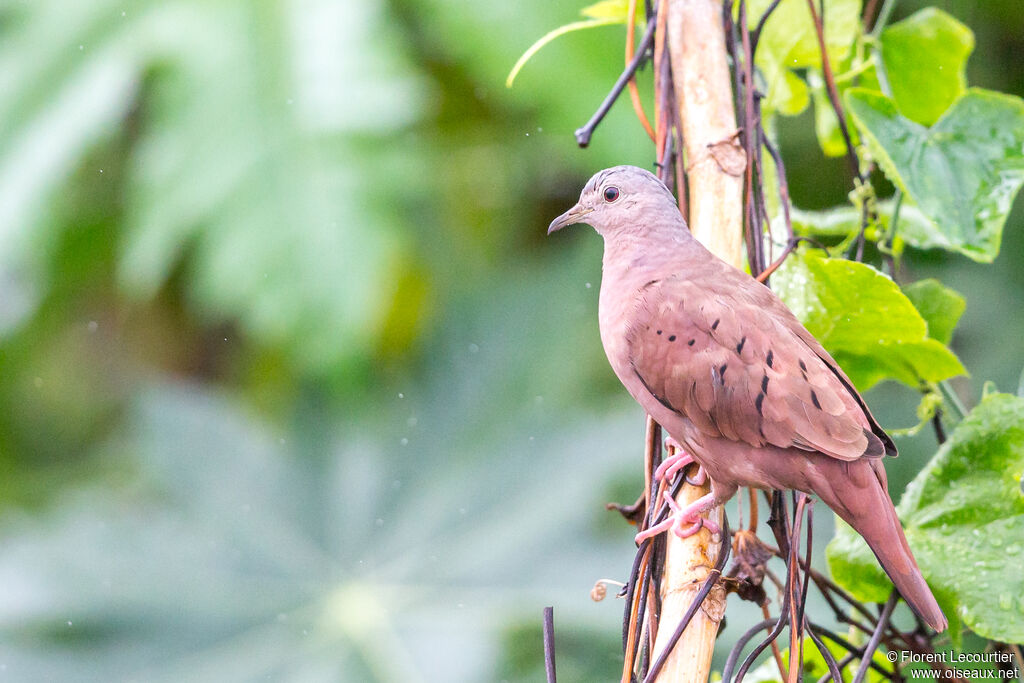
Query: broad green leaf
[789,41]
[940,306]
[864,320]
[964,519]
[908,362]
[918,230]
[925,58]
[962,173]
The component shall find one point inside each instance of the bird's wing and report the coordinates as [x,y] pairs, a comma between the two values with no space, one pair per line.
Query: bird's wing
[731,358]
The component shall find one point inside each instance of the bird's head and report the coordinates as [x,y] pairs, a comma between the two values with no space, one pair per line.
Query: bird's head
[613,198]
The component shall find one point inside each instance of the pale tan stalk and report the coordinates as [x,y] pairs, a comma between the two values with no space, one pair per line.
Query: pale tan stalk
[715,164]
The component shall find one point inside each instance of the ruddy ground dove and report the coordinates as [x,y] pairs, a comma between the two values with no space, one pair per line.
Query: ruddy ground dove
[721,363]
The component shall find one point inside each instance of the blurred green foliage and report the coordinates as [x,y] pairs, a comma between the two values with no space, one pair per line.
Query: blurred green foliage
[291,386]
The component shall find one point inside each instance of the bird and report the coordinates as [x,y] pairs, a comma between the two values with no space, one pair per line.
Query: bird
[720,362]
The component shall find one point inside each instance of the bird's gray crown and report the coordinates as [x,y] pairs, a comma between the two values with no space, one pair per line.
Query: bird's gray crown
[631,178]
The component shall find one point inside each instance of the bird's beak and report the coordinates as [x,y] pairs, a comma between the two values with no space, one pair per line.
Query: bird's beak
[570,217]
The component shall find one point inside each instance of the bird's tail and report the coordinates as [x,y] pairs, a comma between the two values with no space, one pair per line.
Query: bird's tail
[871,513]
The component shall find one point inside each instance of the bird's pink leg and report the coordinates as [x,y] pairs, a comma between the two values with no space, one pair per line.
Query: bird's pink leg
[689,515]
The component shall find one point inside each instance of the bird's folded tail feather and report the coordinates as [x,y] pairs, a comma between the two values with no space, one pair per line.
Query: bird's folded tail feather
[871,514]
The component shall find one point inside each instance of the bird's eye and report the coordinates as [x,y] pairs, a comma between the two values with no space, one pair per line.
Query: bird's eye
[611,194]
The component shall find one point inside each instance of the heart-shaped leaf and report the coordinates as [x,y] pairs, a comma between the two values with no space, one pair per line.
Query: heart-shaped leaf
[962,173]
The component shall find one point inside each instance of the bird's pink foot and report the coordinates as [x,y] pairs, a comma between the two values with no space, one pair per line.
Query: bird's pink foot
[679,460]
[684,521]
[671,465]
[698,479]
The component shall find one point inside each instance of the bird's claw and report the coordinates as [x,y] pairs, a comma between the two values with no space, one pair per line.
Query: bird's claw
[699,478]
[683,522]
[678,460]
[671,465]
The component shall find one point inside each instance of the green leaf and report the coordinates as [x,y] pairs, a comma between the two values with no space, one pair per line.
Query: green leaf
[962,173]
[964,519]
[864,320]
[940,306]
[789,41]
[925,58]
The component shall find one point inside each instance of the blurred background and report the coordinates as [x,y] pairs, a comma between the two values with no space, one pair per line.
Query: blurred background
[292,385]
